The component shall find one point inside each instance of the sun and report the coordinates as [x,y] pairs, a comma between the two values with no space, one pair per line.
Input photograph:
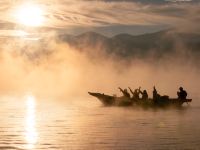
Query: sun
[30,15]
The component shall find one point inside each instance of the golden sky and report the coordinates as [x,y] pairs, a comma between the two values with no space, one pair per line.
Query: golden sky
[104,16]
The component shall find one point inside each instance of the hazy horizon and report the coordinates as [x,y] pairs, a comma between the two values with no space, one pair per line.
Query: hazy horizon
[40,66]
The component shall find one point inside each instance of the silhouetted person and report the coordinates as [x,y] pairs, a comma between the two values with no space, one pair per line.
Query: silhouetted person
[156,96]
[135,93]
[182,94]
[125,92]
[131,91]
[144,94]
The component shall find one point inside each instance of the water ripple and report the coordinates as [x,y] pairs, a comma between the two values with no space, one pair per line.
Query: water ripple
[70,126]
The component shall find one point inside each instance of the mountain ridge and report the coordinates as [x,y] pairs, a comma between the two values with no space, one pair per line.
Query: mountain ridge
[127,45]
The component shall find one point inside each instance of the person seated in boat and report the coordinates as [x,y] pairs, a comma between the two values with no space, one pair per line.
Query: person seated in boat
[156,96]
[135,93]
[144,94]
[125,92]
[182,94]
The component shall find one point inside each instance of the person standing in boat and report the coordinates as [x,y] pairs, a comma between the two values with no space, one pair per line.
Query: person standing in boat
[182,94]
[125,92]
[156,96]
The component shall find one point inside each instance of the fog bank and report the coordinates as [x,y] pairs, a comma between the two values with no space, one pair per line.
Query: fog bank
[54,69]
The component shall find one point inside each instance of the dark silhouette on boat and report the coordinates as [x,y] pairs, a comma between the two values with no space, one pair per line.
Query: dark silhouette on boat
[156,101]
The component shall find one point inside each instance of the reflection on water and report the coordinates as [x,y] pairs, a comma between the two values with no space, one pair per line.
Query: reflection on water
[31,133]
[85,124]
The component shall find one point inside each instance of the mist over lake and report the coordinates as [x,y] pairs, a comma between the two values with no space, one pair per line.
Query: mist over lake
[45,104]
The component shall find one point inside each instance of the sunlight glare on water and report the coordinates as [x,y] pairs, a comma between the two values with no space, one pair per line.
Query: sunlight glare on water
[31,133]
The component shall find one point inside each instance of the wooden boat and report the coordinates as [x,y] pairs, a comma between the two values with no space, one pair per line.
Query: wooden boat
[108,100]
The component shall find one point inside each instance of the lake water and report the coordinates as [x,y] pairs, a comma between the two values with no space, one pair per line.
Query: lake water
[31,123]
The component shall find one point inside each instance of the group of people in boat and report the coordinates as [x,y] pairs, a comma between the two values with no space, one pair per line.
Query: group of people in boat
[182,94]
[135,94]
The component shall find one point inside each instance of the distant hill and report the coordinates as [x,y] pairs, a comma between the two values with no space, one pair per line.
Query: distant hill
[126,45]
